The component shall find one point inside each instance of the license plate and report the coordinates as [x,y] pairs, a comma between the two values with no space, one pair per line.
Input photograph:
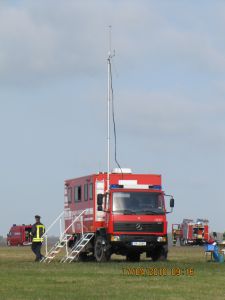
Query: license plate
[138,243]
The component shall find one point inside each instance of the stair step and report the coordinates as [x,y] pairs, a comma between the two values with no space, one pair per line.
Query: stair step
[70,257]
[78,247]
[49,257]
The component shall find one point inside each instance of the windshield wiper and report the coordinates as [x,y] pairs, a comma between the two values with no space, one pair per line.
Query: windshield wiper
[150,212]
[129,212]
[126,211]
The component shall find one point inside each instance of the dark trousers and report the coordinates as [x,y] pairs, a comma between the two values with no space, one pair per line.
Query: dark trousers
[36,248]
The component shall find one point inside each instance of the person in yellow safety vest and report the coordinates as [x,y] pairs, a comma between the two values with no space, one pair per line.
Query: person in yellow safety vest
[37,231]
[174,237]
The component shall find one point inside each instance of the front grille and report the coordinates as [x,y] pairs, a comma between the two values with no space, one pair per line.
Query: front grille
[138,227]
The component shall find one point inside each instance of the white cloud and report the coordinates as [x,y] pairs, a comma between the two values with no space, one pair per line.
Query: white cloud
[55,38]
[166,114]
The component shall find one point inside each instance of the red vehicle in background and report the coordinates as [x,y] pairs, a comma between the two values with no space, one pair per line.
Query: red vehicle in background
[190,232]
[19,235]
[128,219]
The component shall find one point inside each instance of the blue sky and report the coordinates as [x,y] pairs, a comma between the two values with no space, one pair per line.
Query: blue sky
[169,84]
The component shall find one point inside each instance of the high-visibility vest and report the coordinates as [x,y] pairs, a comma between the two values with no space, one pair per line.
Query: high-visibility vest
[39,233]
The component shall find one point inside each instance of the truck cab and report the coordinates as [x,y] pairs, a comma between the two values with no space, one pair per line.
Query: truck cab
[136,221]
[19,235]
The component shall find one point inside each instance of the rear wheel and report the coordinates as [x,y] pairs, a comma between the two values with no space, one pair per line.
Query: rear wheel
[102,254]
[133,257]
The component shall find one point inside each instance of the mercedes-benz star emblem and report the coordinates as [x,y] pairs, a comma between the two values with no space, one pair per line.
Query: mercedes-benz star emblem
[139,227]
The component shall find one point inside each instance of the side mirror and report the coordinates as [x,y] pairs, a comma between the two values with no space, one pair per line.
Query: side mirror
[172,202]
[100,208]
[100,199]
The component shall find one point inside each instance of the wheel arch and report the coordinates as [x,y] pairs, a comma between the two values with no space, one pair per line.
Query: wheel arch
[101,231]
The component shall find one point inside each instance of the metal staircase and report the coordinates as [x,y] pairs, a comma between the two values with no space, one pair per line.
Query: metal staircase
[62,243]
[64,239]
[78,247]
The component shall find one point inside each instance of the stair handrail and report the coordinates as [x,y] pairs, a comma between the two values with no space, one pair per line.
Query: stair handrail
[52,224]
[74,221]
[62,234]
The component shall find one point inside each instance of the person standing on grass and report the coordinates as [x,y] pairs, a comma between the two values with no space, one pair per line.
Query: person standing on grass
[37,231]
[215,250]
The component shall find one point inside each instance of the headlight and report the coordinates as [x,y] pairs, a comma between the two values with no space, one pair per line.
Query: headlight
[161,239]
[115,238]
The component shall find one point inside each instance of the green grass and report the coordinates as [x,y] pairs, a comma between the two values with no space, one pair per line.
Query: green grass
[21,278]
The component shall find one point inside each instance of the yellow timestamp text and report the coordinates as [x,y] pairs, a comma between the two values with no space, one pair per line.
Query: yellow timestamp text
[152,271]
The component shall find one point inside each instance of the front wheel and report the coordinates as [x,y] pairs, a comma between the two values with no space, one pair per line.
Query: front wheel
[159,254]
[101,252]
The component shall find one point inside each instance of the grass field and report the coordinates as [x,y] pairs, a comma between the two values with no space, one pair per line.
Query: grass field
[21,278]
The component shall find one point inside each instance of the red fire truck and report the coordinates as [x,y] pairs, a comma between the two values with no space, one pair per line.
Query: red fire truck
[190,232]
[19,235]
[127,219]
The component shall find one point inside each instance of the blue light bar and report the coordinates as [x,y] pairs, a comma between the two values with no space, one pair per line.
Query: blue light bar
[116,186]
[155,187]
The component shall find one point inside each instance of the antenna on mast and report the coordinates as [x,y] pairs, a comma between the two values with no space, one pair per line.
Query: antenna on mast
[108,109]
[111,105]
[110,39]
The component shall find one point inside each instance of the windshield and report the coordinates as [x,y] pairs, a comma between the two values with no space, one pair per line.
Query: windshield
[138,203]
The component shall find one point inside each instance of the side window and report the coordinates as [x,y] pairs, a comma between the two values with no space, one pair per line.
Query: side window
[160,202]
[86,192]
[77,193]
[91,191]
[69,194]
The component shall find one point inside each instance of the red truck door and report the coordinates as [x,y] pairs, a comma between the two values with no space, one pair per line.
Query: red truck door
[12,237]
[19,234]
[27,236]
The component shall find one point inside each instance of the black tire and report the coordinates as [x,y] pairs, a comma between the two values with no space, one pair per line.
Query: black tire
[133,257]
[163,255]
[100,250]
[159,254]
